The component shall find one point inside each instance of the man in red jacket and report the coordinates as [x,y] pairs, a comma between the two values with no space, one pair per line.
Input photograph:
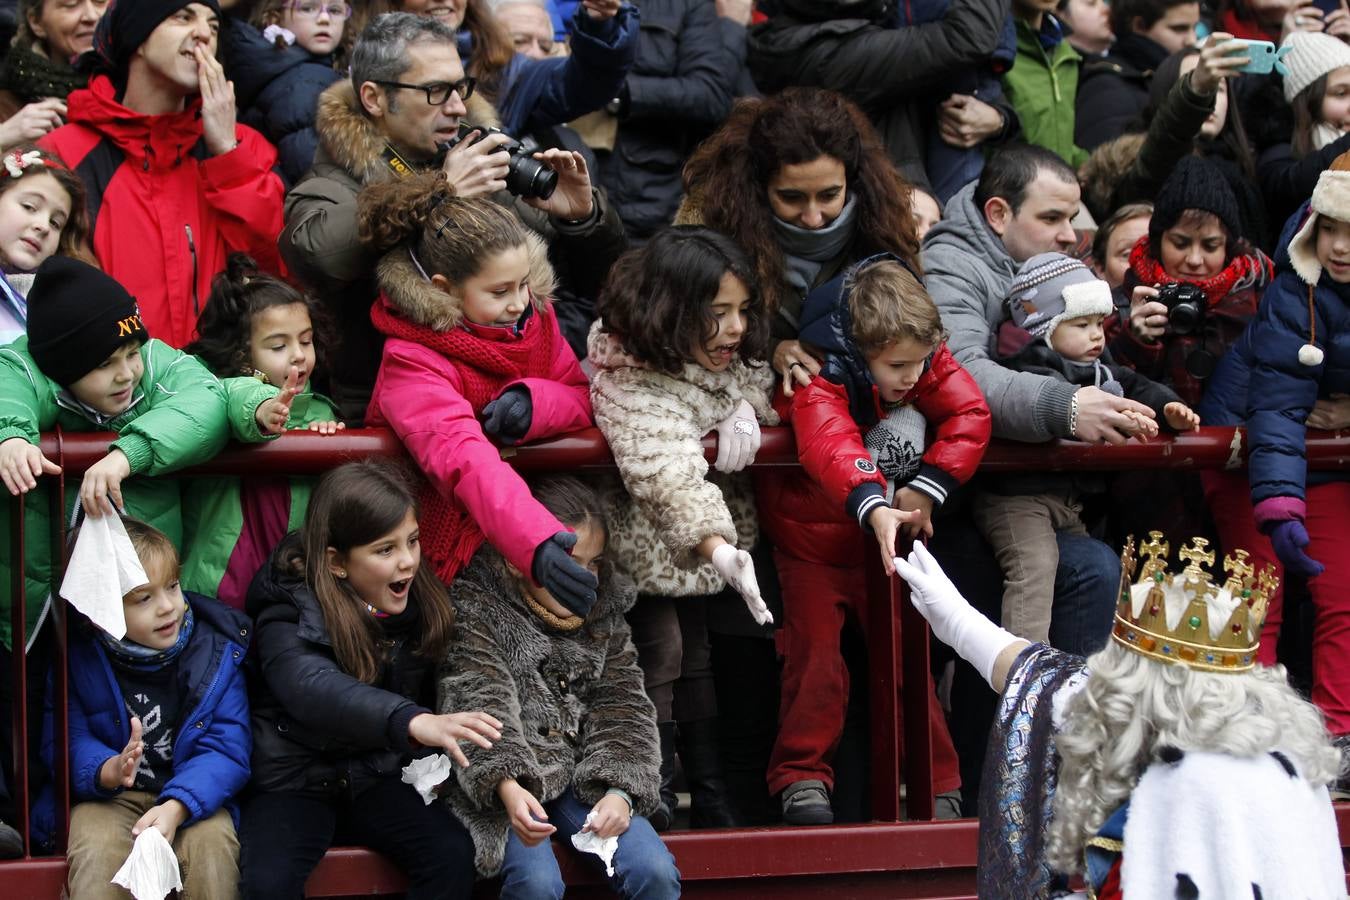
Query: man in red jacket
[887,430]
[175,184]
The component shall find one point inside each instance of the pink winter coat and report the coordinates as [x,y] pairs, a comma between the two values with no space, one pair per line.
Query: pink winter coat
[437,374]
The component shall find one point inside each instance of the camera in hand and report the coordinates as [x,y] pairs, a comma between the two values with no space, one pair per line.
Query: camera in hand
[526,176]
[1185,307]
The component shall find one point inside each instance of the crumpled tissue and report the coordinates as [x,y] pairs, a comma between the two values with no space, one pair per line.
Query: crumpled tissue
[590,842]
[103,568]
[426,773]
[151,870]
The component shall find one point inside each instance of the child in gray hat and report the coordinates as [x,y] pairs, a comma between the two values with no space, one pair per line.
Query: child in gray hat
[1063,307]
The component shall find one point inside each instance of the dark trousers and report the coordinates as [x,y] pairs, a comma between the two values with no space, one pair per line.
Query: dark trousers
[284,834]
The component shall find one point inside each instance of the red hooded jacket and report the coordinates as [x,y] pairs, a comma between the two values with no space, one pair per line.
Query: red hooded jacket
[166,214]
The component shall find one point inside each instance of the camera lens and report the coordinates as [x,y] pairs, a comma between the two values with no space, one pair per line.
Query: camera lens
[1184,317]
[531,178]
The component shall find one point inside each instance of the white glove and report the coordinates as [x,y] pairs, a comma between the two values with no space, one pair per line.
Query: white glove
[738,439]
[954,621]
[738,569]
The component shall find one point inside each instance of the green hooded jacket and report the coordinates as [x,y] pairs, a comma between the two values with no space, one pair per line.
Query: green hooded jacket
[1043,87]
[176,419]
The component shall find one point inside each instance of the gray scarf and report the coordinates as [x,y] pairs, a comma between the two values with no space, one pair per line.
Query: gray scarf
[806,250]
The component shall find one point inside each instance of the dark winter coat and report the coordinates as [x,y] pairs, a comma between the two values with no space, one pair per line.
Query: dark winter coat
[679,89]
[572,705]
[1287,181]
[211,738]
[1262,384]
[1113,89]
[277,91]
[814,514]
[315,727]
[890,73]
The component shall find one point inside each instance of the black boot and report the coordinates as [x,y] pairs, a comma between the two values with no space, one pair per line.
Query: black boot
[710,803]
[664,816]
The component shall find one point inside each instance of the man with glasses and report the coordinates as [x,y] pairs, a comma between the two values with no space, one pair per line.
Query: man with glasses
[402,108]
[175,184]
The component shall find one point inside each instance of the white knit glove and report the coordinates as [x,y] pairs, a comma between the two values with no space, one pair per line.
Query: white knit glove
[738,438]
[954,621]
[738,569]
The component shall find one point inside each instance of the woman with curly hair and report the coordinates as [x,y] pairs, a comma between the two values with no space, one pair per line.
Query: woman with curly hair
[801,181]
[1168,764]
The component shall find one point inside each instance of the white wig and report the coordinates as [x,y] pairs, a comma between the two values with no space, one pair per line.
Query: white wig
[1132,706]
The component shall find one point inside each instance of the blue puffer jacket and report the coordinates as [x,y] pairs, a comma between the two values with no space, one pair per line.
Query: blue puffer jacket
[538,93]
[277,91]
[1261,382]
[213,739]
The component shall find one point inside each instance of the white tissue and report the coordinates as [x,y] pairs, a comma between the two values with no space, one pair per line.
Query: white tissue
[590,842]
[103,568]
[151,871]
[425,773]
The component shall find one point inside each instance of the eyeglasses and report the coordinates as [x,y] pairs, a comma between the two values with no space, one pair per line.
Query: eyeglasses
[310,9]
[438,93]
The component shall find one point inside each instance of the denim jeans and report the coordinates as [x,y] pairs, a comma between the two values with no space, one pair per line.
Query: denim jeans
[1085,594]
[643,867]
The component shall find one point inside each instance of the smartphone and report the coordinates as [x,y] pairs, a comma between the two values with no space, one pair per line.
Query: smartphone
[1263,55]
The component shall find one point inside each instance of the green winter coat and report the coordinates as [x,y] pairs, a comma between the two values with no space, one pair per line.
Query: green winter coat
[1043,89]
[213,513]
[176,419]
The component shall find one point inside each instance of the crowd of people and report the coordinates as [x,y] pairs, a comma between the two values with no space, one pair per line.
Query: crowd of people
[897,230]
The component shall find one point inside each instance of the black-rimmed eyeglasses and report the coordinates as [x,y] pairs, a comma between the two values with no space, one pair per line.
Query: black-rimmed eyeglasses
[438,93]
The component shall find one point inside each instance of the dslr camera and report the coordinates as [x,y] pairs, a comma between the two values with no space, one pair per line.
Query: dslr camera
[527,176]
[1185,307]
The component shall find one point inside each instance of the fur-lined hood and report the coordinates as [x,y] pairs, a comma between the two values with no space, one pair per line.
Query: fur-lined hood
[349,138]
[1330,198]
[421,302]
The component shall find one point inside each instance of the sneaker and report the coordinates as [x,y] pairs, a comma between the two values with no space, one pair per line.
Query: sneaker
[1340,788]
[807,803]
[947,805]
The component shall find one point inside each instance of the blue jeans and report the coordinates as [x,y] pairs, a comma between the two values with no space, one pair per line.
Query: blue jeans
[643,867]
[1086,583]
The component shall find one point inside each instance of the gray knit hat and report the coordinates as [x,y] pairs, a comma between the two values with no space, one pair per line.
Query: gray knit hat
[1312,54]
[1052,287]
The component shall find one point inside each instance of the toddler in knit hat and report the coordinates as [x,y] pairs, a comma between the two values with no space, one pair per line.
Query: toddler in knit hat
[1063,308]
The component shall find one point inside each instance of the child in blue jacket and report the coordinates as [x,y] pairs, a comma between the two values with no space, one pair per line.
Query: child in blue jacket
[159,733]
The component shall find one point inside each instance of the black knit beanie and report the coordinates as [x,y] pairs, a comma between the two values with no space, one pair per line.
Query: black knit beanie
[77,317]
[1195,183]
[125,26]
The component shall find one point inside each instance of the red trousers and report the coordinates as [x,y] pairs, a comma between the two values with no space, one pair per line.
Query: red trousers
[816,598]
[1229,497]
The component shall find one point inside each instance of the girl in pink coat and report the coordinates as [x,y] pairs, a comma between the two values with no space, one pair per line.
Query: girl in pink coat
[473,355]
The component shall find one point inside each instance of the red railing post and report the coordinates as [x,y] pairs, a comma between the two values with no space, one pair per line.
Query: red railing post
[60,647]
[915,688]
[884,707]
[18,632]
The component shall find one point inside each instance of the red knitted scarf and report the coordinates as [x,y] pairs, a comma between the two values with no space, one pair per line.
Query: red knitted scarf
[450,536]
[1243,271]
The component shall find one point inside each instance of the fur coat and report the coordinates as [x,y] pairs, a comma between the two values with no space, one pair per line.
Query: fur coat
[572,705]
[654,423]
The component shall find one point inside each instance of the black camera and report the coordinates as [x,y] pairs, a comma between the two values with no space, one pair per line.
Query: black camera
[1185,307]
[527,176]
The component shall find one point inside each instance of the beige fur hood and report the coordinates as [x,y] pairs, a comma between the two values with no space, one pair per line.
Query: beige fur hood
[350,139]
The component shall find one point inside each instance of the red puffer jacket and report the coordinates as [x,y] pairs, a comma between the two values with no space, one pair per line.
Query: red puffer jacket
[165,214]
[812,514]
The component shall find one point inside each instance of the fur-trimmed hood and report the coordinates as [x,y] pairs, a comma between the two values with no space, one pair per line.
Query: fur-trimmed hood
[421,302]
[350,139]
[1331,198]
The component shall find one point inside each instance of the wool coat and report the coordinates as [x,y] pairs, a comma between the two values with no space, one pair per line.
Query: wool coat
[572,705]
[654,423]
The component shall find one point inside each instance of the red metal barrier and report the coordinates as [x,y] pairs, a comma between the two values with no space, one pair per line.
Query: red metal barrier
[917,859]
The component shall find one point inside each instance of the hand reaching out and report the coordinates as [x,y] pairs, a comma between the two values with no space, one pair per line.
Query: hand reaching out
[1181,417]
[273,413]
[447,730]
[120,771]
[21,464]
[886,522]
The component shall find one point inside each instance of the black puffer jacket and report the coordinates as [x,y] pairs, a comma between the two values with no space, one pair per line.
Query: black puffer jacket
[316,728]
[277,92]
[1113,90]
[892,73]
[679,89]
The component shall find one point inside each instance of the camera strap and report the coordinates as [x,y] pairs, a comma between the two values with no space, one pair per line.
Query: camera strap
[396,163]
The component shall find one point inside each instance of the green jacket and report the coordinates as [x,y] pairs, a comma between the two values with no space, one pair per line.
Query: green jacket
[213,510]
[1043,89]
[176,419]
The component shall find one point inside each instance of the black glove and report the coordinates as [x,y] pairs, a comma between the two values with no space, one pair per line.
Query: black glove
[569,583]
[508,417]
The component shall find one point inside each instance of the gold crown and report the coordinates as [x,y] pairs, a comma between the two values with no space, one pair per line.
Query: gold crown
[1142,608]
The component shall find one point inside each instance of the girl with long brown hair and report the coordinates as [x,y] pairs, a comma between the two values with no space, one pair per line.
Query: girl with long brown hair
[351,629]
[802,183]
